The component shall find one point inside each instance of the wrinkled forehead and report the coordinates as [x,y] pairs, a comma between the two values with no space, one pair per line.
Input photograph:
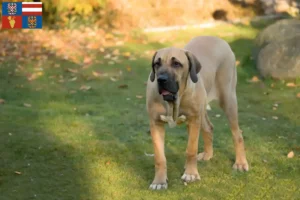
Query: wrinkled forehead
[168,54]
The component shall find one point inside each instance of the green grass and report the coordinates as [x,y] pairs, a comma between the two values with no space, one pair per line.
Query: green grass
[92,144]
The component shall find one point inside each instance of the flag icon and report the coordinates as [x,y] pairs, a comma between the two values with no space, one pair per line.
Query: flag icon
[32,8]
[27,15]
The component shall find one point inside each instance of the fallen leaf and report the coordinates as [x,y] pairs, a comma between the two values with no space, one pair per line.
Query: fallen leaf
[237,63]
[275,117]
[101,49]
[27,105]
[263,118]
[96,74]
[73,79]
[291,154]
[291,84]
[107,163]
[87,60]
[85,87]
[72,91]
[275,105]
[127,54]
[254,79]
[116,52]
[109,36]
[139,96]
[107,56]
[2,101]
[111,62]
[19,173]
[57,65]
[272,85]
[113,79]
[265,161]
[274,108]
[34,76]
[128,68]
[147,154]
[218,115]
[123,86]
[298,95]
[72,70]
[119,43]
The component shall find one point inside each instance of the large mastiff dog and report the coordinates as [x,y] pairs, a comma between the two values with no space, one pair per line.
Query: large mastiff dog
[185,81]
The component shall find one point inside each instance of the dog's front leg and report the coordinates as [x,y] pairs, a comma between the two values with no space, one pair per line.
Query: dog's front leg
[158,136]
[191,171]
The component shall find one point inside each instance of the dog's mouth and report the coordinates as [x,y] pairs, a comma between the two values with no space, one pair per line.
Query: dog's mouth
[167,95]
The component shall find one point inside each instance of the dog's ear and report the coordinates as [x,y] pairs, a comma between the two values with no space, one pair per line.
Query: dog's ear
[152,76]
[194,66]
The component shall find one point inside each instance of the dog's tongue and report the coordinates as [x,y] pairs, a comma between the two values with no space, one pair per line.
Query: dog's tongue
[165,92]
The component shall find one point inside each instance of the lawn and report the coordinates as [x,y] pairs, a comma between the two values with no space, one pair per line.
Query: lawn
[68,132]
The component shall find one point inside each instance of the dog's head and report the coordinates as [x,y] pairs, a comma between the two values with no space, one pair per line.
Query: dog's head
[170,68]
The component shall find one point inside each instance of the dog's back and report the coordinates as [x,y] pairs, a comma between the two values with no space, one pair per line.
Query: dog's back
[214,60]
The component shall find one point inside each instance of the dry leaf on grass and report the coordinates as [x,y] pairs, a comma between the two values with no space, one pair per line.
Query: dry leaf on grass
[254,79]
[2,101]
[72,70]
[107,56]
[73,79]
[218,115]
[34,76]
[96,74]
[17,172]
[116,52]
[128,68]
[123,86]
[291,154]
[87,60]
[85,87]
[298,95]
[27,105]
[127,54]
[113,79]
[148,154]
[139,96]
[291,84]
[275,117]
[237,63]
[72,91]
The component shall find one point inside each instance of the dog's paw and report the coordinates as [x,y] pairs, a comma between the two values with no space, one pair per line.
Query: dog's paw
[241,166]
[188,178]
[158,186]
[204,156]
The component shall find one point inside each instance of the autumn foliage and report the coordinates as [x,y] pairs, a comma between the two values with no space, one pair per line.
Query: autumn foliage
[134,13]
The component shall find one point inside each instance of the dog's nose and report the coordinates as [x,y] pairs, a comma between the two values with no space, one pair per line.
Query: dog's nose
[162,78]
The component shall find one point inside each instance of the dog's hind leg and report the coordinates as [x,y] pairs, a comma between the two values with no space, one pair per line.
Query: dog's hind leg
[228,102]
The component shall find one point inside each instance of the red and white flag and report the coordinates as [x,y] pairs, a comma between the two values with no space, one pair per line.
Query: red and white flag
[32,8]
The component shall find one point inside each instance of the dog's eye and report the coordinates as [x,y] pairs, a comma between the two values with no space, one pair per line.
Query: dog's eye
[176,64]
[156,65]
